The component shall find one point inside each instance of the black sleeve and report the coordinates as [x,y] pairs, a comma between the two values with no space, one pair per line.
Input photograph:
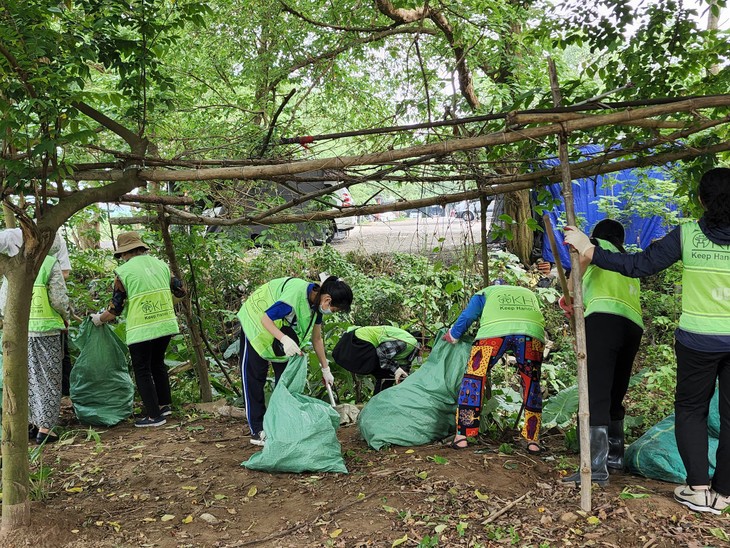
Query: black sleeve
[655,258]
[177,288]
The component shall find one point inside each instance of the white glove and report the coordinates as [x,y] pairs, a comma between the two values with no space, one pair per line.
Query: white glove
[448,338]
[400,374]
[578,240]
[96,320]
[327,376]
[290,347]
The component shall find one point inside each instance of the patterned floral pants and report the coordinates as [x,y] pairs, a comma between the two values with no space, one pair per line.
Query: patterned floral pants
[484,354]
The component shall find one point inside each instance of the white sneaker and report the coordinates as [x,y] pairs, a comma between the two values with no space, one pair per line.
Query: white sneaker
[699,500]
[258,439]
[720,502]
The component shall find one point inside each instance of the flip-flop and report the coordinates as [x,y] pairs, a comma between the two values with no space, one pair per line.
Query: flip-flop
[457,444]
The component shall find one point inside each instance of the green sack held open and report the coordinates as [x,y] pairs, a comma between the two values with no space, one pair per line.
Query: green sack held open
[301,432]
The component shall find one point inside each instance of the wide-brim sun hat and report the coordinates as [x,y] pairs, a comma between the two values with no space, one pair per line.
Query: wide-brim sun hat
[127,241]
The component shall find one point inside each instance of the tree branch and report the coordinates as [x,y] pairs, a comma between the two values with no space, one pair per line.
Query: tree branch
[22,75]
[285,7]
[137,144]
[403,15]
[437,149]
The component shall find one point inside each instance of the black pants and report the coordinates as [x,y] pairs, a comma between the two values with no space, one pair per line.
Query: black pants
[384,378]
[254,370]
[66,366]
[612,342]
[696,376]
[150,374]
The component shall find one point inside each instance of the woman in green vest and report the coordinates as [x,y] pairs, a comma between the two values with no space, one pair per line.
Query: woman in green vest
[702,340]
[510,321]
[48,318]
[143,294]
[278,319]
[384,351]
[613,333]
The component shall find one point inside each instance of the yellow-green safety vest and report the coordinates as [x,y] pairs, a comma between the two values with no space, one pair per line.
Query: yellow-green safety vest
[510,310]
[610,292]
[291,291]
[43,317]
[149,311]
[705,283]
[378,334]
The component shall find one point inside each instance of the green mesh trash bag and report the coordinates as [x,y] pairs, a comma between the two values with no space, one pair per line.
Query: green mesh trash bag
[655,455]
[301,432]
[101,389]
[422,408]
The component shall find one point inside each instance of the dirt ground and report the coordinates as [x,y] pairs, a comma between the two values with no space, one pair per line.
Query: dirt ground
[182,485]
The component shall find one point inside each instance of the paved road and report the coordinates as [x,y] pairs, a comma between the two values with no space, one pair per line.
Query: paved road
[410,235]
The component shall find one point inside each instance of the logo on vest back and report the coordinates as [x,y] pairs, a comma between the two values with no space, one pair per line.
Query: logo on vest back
[700,241]
[721,293]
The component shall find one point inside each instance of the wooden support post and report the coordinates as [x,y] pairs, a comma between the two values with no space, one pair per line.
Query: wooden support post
[485,251]
[580,328]
[561,273]
[201,365]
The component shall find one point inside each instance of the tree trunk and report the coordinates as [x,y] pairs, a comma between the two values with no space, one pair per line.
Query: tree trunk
[201,364]
[517,206]
[15,470]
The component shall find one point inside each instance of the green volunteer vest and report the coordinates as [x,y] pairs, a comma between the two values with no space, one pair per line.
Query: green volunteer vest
[43,317]
[377,335]
[610,292]
[705,284]
[149,310]
[510,310]
[292,291]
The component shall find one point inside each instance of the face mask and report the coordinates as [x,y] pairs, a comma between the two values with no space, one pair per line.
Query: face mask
[325,311]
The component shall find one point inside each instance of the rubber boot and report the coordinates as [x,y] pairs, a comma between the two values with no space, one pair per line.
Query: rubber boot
[599,455]
[615,461]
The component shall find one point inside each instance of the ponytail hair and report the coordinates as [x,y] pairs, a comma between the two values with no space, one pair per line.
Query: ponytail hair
[715,197]
[611,231]
[339,291]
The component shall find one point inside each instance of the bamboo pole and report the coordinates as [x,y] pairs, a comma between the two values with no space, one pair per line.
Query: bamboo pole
[580,328]
[485,250]
[561,273]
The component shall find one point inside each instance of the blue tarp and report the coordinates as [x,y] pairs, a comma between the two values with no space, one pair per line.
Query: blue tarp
[586,192]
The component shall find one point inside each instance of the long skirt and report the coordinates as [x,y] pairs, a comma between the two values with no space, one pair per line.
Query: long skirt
[45,371]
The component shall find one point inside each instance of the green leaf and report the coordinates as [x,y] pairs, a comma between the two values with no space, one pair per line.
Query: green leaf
[720,533]
[628,495]
[560,409]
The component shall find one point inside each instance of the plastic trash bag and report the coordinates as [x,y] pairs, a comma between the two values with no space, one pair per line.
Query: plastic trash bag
[422,408]
[655,454]
[101,389]
[301,432]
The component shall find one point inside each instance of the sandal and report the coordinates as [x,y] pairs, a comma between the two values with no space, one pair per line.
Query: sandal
[459,444]
[533,448]
[46,438]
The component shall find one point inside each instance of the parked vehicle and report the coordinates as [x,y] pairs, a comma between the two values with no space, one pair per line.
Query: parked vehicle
[467,210]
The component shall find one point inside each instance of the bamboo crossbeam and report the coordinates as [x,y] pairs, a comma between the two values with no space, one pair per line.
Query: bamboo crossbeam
[392,156]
